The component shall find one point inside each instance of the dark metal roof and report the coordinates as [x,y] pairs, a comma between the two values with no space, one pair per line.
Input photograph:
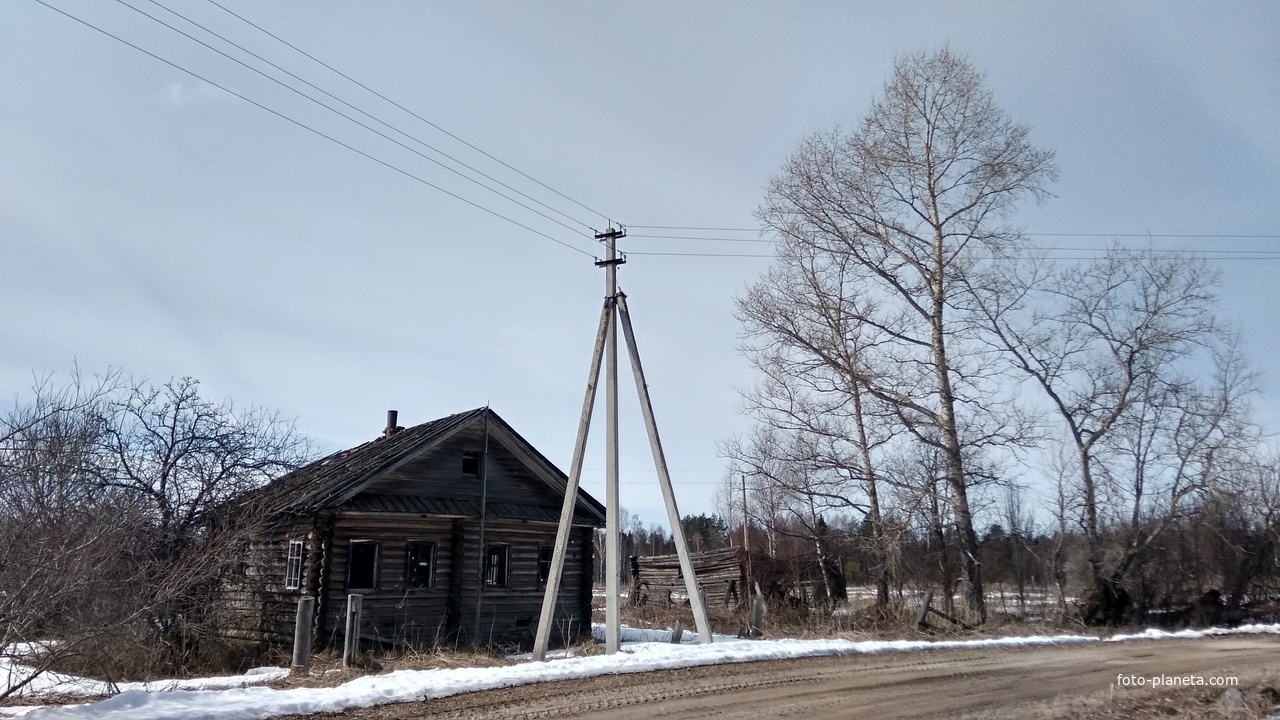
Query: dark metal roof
[336,479]
[459,508]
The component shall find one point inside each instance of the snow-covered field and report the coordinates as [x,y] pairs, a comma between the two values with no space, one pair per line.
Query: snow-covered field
[229,699]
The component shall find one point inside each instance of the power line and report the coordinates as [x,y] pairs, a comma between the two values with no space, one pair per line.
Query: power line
[345,116]
[1183,236]
[700,237]
[691,254]
[1204,254]
[1190,236]
[310,129]
[402,107]
[353,107]
[687,227]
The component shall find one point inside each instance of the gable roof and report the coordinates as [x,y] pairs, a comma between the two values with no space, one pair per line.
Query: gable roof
[333,480]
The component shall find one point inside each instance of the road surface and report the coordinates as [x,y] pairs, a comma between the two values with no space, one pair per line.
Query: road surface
[1042,682]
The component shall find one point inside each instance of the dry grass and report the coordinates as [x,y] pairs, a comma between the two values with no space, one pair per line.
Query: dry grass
[856,621]
[327,670]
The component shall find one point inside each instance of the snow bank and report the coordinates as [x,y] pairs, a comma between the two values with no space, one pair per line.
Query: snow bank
[52,683]
[640,654]
[1154,634]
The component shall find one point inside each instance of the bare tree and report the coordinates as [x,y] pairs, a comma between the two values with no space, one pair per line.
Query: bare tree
[806,340]
[903,215]
[63,540]
[1106,343]
[116,520]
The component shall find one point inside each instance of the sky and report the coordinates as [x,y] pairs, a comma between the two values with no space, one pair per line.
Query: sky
[152,221]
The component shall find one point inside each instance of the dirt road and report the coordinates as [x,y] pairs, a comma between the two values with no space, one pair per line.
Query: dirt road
[1065,681]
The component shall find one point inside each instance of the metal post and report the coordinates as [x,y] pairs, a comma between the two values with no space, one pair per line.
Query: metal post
[664,477]
[612,546]
[351,643]
[543,637]
[746,544]
[484,500]
[302,635]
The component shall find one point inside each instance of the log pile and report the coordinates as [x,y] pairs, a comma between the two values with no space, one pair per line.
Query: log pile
[720,575]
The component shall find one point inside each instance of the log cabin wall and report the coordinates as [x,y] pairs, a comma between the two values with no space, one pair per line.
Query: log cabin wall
[396,613]
[255,603]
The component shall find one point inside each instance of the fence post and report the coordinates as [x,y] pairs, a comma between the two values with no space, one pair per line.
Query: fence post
[755,626]
[924,610]
[351,644]
[677,632]
[302,635]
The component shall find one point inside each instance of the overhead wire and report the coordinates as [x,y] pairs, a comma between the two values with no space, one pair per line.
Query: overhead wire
[359,110]
[1215,255]
[403,108]
[312,130]
[1209,254]
[344,115]
[1208,236]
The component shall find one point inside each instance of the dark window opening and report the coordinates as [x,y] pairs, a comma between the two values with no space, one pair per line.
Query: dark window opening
[544,564]
[362,565]
[420,564]
[495,566]
[471,463]
[293,566]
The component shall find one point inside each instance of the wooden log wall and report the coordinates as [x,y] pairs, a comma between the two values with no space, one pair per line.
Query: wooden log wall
[445,612]
[720,573]
[254,604]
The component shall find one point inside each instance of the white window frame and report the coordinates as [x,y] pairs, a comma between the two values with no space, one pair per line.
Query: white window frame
[293,565]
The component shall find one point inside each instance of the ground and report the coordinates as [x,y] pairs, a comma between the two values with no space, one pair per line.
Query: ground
[1071,681]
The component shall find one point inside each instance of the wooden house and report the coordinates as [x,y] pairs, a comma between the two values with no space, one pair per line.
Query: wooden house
[435,526]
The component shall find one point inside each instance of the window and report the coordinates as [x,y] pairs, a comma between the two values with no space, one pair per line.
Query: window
[471,463]
[544,564]
[362,565]
[495,565]
[293,566]
[420,564]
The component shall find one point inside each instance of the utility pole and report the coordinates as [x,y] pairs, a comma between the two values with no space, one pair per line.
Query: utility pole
[606,350]
[612,544]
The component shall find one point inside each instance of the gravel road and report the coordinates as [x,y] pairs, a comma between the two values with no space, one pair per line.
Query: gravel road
[1001,683]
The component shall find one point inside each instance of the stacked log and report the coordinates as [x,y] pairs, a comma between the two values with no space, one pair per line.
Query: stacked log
[720,575]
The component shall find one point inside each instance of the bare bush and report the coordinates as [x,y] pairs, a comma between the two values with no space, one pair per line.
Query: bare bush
[115,526]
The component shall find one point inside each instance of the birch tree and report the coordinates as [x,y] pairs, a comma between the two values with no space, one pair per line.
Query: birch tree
[896,220]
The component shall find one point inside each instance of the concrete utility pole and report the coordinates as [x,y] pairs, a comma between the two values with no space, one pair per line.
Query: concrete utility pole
[606,349]
[612,545]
